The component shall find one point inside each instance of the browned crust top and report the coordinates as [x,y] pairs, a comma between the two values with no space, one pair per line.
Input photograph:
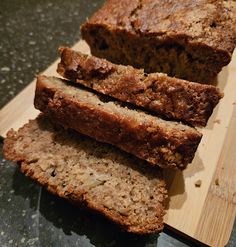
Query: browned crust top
[86,67]
[208,23]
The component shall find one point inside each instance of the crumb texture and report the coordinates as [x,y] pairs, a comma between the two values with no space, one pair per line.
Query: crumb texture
[87,173]
[169,97]
[160,142]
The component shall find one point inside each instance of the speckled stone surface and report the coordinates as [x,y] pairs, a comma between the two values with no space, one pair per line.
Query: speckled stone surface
[30,33]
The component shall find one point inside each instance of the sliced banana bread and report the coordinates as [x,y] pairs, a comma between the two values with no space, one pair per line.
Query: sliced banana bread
[96,176]
[160,142]
[188,39]
[170,97]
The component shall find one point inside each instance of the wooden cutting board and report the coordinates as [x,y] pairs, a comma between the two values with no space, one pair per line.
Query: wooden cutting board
[205,213]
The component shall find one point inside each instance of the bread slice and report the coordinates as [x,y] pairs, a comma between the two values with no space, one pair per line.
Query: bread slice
[170,97]
[160,142]
[97,176]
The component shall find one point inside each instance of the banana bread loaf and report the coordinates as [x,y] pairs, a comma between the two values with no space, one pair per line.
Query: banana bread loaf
[96,176]
[160,142]
[172,98]
[188,39]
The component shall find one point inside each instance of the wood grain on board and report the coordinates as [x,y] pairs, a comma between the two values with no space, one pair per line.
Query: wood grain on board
[204,212]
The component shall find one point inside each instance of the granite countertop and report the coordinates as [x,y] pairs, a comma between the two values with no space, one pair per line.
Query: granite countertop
[31,31]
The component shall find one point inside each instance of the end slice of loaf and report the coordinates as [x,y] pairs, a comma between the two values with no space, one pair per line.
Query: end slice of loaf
[99,177]
[172,98]
[160,142]
[188,39]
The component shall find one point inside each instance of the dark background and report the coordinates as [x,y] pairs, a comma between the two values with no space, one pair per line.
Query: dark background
[30,33]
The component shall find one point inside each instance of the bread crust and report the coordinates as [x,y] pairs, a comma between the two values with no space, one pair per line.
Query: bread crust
[30,167]
[188,39]
[162,143]
[171,98]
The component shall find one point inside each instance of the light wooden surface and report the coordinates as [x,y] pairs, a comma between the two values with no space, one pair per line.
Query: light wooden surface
[205,213]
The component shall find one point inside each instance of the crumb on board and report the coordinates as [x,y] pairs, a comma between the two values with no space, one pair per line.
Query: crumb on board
[198,183]
[234,103]
[217,121]
[217,182]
